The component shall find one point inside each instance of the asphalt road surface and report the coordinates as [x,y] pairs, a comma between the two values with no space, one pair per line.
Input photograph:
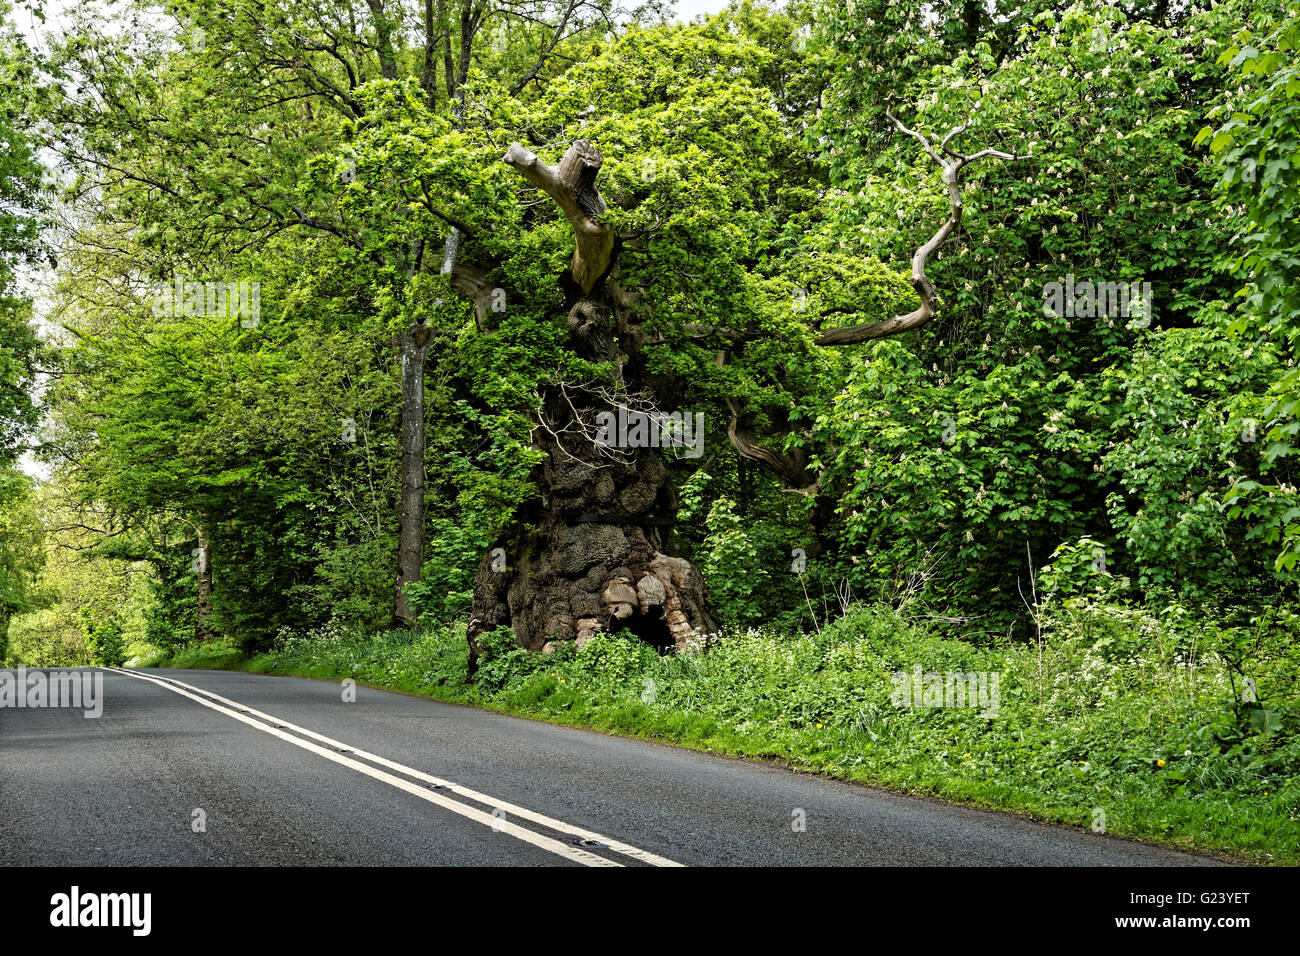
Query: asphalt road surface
[209,768]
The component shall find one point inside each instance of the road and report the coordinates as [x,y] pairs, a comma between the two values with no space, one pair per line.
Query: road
[210,768]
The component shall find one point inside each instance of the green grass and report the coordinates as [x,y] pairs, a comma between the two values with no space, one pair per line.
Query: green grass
[1083,724]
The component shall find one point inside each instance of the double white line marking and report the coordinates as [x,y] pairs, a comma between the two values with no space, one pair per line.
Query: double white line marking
[246,714]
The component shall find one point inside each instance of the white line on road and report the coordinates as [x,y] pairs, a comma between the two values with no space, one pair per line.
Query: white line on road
[242,713]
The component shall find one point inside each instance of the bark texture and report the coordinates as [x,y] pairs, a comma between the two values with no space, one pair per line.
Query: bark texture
[414,343]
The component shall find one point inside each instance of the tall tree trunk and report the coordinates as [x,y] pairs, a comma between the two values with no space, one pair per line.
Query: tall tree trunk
[414,344]
[384,28]
[203,567]
[594,551]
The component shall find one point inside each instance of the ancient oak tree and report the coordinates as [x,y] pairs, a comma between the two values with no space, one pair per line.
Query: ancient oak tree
[594,549]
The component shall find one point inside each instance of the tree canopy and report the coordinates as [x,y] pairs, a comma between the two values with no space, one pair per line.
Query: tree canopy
[831,229]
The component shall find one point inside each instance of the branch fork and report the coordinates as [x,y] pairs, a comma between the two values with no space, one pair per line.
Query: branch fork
[952,163]
[572,185]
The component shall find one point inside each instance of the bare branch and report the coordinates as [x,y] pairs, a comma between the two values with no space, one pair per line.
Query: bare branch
[929,307]
[572,185]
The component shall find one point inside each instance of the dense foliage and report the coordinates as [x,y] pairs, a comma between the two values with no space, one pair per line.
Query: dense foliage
[1103,493]
[23,208]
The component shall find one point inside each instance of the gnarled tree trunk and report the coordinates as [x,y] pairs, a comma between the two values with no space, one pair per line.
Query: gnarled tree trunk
[594,551]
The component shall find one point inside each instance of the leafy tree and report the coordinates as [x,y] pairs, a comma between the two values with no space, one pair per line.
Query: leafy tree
[1256,144]
[830,230]
[23,207]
